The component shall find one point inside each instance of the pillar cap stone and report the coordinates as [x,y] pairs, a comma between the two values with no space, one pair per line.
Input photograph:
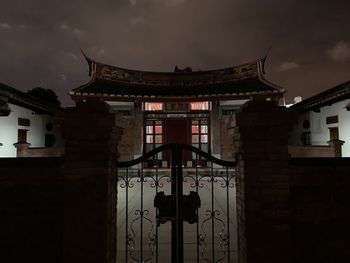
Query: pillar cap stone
[21,144]
[335,142]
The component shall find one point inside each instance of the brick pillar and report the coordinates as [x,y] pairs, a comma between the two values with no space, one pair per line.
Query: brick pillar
[337,145]
[22,148]
[261,139]
[91,139]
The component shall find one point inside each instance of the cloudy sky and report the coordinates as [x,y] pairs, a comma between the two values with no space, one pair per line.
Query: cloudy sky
[40,40]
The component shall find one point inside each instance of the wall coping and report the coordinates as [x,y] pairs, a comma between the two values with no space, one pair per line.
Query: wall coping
[44,162]
[320,161]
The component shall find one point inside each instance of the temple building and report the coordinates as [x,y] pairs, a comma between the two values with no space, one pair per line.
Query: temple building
[184,106]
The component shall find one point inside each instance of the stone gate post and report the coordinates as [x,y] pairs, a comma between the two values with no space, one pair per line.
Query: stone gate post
[261,139]
[91,139]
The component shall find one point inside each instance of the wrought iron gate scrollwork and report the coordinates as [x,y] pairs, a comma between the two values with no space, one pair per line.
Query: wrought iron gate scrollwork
[144,218]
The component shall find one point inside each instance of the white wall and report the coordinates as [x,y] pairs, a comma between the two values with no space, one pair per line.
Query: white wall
[320,130]
[36,131]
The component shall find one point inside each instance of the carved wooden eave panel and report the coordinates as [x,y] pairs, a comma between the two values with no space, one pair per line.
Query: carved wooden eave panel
[111,73]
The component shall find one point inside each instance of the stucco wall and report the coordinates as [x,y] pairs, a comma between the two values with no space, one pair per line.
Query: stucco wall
[138,130]
[216,134]
[36,131]
[226,140]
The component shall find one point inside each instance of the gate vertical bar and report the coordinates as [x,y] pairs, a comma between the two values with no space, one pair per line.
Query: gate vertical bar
[228,214]
[179,203]
[212,213]
[173,194]
[126,214]
[176,193]
[141,215]
[197,224]
[157,184]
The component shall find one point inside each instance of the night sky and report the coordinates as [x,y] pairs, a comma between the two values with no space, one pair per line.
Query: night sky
[40,40]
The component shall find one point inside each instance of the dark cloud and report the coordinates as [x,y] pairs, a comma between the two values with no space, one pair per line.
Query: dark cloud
[41,40]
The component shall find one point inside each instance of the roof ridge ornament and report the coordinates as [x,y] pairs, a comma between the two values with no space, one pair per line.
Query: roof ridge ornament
[186,69]
[89,61]
[262,61]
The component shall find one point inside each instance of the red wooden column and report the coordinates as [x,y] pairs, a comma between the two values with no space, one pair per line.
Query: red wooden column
[91,139]
[261,138]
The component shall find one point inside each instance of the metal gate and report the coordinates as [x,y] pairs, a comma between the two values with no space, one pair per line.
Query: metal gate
[176,214]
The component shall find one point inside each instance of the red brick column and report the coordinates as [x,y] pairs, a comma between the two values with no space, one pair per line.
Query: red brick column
[22,148]
[89,183]
[261,138]
[336,144]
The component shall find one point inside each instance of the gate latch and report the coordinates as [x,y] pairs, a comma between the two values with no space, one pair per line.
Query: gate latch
[166,205]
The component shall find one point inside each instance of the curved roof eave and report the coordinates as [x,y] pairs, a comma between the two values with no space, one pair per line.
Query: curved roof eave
[273,85]
[216,97]
[126,82]
[91,61]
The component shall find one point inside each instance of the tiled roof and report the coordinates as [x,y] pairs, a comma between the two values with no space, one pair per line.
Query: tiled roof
[114,82]
[327,97]
[12,95]
[244,87]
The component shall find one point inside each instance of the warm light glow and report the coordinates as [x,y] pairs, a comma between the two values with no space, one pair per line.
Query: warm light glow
[200,105]
[153,106]
[195,129]
[159,129]
[154,135]
[199,136]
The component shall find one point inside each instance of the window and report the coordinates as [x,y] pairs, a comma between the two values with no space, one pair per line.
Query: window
[332,119]
[200,135]
[153,106]
[306,138]
[23,122]
[153,135]
[201,105]
[22,135]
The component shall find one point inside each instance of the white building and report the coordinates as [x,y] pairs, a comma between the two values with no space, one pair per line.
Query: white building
[323,118]
[28,120]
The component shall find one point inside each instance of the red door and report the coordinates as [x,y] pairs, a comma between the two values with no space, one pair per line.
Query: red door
[177,131]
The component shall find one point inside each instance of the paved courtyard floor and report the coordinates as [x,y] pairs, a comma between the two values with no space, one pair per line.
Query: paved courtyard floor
[213,232]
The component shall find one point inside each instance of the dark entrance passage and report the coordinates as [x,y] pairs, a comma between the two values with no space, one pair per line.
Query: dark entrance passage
[177,132]
[178,214]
